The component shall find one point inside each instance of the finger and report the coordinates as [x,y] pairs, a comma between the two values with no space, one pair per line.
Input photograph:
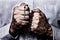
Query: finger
[26,17]
[18,12]
[25,13]
[21,17]
[24,22]
[21,12]
[18,21]
[21,21]
[18,16]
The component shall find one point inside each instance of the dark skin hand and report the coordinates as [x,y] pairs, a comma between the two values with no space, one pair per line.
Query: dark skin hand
[36,21]
[20,19]
[39,23]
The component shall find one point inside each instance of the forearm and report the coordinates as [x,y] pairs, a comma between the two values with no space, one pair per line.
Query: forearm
[16,29]
[45,33]
[13,29]
[13,32]
[50,31]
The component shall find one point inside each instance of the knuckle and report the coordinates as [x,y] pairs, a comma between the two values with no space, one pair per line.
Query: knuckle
[26,17]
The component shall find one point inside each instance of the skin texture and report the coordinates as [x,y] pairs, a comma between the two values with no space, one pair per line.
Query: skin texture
[25,22]
[20,19]
[42,26]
